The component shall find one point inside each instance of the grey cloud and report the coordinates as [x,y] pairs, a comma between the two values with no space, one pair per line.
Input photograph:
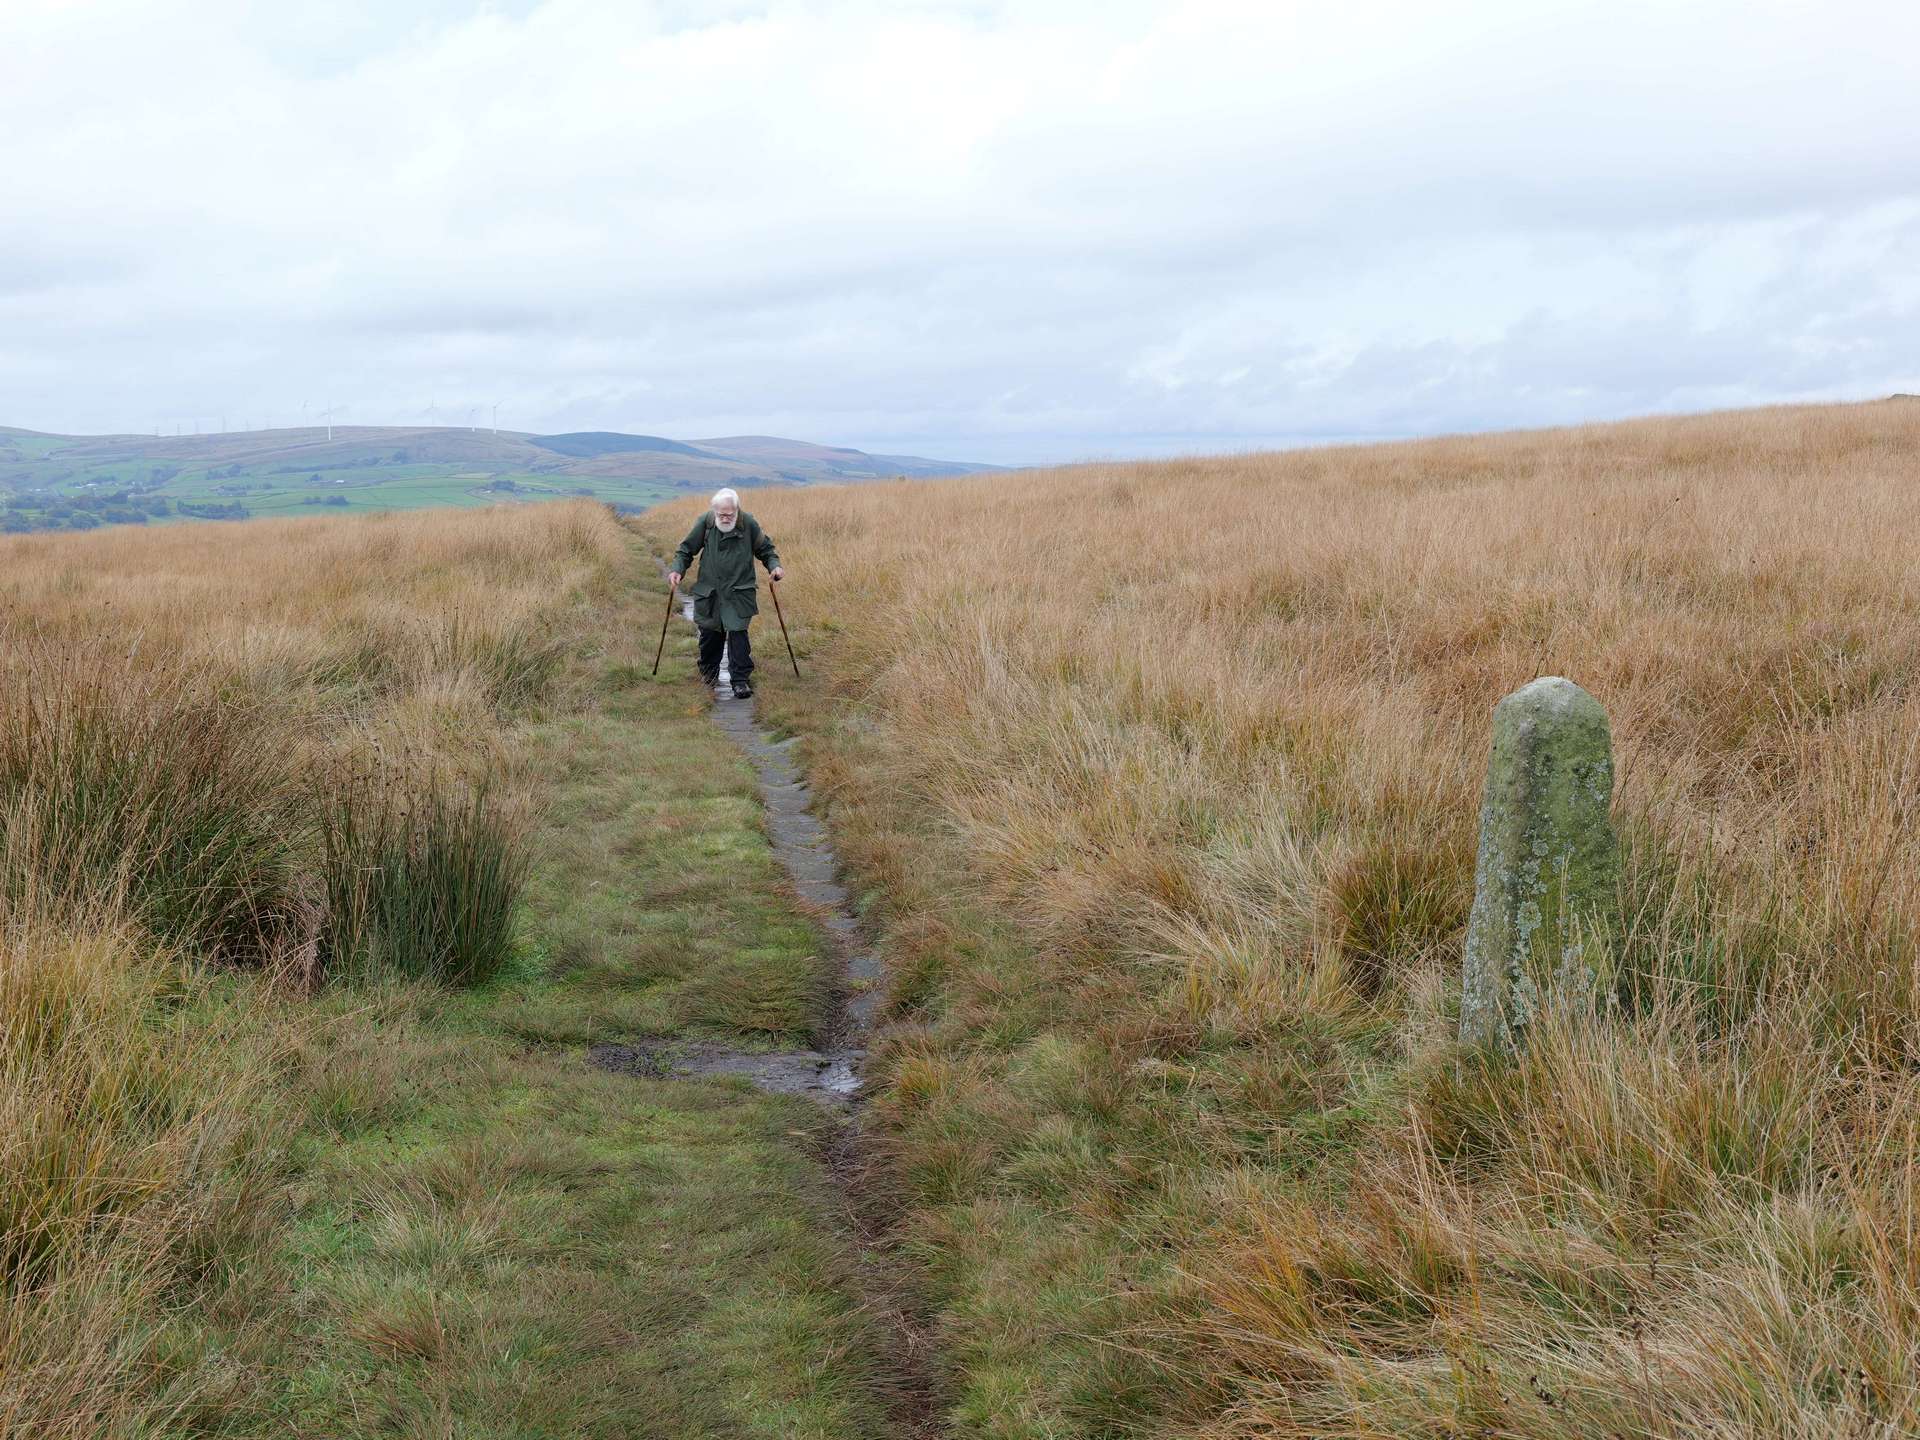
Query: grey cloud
[996,230]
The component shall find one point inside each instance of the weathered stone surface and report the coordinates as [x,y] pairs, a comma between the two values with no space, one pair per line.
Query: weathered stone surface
[1546,884]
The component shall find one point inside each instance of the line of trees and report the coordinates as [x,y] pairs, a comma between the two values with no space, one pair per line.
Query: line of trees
[24,514]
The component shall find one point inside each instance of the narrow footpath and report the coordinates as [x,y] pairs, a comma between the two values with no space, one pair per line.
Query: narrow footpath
[800,844]
[830,1073]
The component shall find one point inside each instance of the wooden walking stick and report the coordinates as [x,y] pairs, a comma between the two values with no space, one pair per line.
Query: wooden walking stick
[773,588]
[672,590]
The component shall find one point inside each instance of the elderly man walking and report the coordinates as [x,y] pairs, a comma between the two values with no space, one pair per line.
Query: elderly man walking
[726,597]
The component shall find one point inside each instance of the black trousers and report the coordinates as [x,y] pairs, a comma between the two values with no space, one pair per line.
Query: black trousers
[739,653]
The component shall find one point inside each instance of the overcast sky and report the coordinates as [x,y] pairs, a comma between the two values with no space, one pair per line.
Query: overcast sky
[995,231]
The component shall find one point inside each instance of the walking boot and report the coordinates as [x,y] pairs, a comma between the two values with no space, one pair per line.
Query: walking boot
[743,689]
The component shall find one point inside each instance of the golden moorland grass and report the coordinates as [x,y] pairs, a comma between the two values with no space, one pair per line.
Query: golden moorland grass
[1163,780]
[182,713]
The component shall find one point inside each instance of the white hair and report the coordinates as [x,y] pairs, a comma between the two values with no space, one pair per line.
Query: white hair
[727,494]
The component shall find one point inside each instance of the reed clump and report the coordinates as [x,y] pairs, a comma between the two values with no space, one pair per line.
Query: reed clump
[422,879]
[1164,779]
[147,788]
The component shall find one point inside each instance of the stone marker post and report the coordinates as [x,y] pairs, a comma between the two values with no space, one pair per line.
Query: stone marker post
[1545,886]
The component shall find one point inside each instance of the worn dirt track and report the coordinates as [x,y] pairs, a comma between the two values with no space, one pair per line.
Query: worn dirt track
[830,1075]
[800,843]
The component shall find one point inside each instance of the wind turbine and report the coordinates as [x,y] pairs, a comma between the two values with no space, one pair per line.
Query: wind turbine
[472,410]
[327,415]
[496,417]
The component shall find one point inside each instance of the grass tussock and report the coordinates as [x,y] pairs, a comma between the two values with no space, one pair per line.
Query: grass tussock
[133,1153]
[145,787]
[1164,780]
[89,1094]
[422,879]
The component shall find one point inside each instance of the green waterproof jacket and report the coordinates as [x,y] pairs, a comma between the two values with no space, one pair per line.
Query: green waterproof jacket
[726,596]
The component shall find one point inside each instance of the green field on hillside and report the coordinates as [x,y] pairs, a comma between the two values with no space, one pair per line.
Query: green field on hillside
[51,494]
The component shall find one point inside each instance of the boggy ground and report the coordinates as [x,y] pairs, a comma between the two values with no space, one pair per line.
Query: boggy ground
[1159,784]
[391,1206]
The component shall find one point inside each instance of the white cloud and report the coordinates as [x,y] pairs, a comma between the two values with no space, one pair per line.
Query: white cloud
[999,230]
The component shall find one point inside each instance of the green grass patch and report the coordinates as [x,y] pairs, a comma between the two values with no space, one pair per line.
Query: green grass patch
[504,1243]
[655,900]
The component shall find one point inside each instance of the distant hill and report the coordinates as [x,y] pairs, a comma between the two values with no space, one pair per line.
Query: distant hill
[796,459]
[79,481]
[590,443]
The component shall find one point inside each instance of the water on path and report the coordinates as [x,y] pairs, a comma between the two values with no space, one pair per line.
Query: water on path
[801,845]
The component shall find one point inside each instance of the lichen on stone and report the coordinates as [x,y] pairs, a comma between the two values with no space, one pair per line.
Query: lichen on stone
[1546,884]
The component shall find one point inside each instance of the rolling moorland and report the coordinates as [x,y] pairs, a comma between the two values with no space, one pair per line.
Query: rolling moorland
[76,482]
[1162,782]
[1158,786]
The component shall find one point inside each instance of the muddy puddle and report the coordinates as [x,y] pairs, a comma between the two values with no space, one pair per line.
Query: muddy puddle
[790,1072]
[832,1074]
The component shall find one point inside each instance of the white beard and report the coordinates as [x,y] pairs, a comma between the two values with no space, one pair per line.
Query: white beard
[726,526]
